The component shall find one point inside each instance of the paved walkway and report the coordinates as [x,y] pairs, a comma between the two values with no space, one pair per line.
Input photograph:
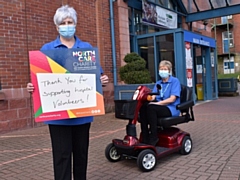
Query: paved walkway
[26,154]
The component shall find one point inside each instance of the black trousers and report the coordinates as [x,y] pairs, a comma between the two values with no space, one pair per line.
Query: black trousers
[70,142]
[149,113]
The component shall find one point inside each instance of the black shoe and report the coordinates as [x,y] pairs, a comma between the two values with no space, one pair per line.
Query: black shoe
[153,142]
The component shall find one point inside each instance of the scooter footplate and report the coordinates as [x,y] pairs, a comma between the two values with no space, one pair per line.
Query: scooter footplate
[161,149]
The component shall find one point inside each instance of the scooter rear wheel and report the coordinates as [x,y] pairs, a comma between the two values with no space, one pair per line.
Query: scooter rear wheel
[147,160]
[112,154]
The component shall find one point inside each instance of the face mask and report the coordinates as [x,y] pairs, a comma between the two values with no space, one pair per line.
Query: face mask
[163,73]
[67,31]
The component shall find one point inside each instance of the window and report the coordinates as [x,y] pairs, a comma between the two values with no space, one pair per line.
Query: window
[136,26]
[224,19]
[227,38]
[165,3]
[160,2]
[228,65]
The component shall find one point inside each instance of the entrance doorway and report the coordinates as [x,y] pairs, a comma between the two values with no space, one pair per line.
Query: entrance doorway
[199,69]
[167,45]
[205,72]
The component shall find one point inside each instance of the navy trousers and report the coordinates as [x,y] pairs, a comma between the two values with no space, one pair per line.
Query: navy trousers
[70,143]
[149,113]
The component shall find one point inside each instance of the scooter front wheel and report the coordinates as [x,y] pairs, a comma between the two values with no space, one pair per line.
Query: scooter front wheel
[147,160]
[186,145]
[112,154]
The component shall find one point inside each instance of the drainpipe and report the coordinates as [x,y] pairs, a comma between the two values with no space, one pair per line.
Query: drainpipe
[113,43]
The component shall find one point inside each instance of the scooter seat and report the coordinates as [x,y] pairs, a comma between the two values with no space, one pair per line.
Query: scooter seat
[171,121]
[186,108]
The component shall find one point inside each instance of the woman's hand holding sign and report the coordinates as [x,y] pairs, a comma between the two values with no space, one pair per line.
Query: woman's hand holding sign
[104,80]
[30,87]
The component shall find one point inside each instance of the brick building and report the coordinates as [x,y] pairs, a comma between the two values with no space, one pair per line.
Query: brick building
[26,25]
[227,37]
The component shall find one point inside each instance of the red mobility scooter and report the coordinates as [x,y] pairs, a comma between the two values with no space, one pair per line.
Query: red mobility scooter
[171,139]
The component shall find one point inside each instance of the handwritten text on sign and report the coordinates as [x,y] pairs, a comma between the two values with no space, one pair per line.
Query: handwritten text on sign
[66,91]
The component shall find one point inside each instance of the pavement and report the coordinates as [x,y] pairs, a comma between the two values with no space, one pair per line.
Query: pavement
[26,154]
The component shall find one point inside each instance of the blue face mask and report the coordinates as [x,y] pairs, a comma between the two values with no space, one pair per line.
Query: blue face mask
[163,73]
[67,31]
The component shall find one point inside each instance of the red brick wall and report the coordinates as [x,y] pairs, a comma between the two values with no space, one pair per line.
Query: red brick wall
[13,40]
[26,25]
[15,114]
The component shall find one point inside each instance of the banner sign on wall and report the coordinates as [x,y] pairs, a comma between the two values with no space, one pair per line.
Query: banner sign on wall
[66,84]
[189,64]
[158,16]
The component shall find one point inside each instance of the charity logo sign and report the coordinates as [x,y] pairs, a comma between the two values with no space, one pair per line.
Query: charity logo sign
[66,84]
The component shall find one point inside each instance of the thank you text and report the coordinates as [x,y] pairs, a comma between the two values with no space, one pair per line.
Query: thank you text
[60,92]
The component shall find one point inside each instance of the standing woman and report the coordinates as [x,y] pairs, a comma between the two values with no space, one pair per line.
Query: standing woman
[69,137]
[163,105]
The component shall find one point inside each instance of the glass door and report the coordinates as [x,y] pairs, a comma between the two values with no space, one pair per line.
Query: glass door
[213,73]
[146,51]
[165,49]
[199,72]
[154,49]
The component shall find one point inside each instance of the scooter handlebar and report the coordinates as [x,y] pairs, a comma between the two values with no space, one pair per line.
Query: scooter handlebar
[156,93]
[151,94]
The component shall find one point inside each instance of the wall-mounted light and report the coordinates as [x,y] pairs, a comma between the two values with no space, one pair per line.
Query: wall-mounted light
[205,23]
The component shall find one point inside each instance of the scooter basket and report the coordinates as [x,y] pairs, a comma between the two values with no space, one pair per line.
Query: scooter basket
[125,109]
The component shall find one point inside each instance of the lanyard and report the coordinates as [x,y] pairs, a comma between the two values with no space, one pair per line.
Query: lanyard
[163,91]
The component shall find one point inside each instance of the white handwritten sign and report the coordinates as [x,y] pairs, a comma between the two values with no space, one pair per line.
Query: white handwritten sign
[66,91]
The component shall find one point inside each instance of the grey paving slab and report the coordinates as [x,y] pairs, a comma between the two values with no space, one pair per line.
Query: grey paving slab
[26,154]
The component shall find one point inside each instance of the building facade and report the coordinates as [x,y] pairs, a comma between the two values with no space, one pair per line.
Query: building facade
[225,29]
[115,27]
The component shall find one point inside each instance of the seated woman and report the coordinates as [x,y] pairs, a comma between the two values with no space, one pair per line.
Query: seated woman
[162,105]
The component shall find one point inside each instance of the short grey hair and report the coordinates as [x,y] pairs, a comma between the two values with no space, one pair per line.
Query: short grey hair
[64,12]
[166,63]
